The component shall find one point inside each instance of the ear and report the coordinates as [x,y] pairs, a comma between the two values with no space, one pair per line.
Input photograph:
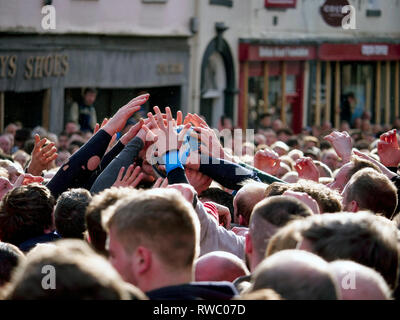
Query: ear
[249,244]
[142,260]
[241,220]
[353,206]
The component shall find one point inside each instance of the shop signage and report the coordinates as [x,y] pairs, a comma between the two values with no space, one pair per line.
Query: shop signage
[285,52]
[331,12]
[359,52]
[35,67]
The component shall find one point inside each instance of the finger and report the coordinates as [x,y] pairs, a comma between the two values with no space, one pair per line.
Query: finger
[47,148]
[128,173]
[152,120]
[150,136]
[164,183]
[158,182]
[136,181]
[96,128]
[120,174]
[179,117]
[133,174]
[105,120]
[49,153]
[144,96]
[160,121]
[51,158]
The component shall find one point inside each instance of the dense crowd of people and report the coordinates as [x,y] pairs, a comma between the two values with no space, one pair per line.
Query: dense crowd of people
[169,208]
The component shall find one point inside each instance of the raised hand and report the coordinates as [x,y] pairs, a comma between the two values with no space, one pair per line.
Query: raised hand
[41,156]
[341,142]
[132,132]
[199,181]
[132,177]
[307,169]
[210,143]
[388,149]
[195,120]
[267,161]
[305,198]
[98,126]
[118,121]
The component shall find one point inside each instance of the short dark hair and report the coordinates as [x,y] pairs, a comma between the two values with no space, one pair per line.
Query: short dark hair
[219,196]
[25,212]
[89,90]
[361,237]
[10,257]
[69,214]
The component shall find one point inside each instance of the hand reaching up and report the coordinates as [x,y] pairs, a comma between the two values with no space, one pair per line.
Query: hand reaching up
[388,149]
[342,143]
[41,156]
[307,169]
[267,161]
[132,177]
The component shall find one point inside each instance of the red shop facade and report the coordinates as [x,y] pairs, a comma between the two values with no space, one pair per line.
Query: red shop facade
[304,84]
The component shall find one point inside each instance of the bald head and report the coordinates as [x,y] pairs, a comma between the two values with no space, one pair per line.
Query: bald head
[296,275]
[358,282]
[219,266]
[245,200]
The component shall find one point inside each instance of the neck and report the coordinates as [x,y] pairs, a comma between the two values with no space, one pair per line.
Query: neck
[159,280]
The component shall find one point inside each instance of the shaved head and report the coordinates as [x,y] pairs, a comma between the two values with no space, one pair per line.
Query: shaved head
[296,275]
[219,266]
[245,200]
[358,282]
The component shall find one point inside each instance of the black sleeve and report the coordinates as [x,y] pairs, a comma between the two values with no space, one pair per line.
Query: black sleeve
[108,157]
[75,172]
[396,181]
[126,157]
[226,173]
[177,176]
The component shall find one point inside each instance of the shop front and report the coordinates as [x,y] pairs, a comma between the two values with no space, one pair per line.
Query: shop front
[307,84]
[41,75]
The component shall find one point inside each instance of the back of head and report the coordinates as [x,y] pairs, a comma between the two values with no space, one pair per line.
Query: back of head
[271,214]
[296,275]
[72,271]
[219,266]
[361,237]
[10,257]
[69,213]
[372,191]
[246,198]
[161,220]
[100,202]
[25,213]
[358,282]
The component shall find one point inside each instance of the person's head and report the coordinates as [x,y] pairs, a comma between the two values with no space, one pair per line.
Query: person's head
[89,96]
[21,157]
[21,136]
[362,237]
[14,169]
[71,127]
[267,217]
[296,275]
[370,190]
[5,144]
[68,269]
[343,175]
[63,141]
[330,158]
[277,124]
[26,212]
[245,200]
[154,238]
[284,134]
[270,137]
[324,170]
[69,213]
[97,236]
[328,200]
[219,196]
[219,266]
[358,282]
[296,154]
[11,129]
[10,258]
[265,120]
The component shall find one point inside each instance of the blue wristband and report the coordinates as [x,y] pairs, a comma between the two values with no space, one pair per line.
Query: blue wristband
[171,160]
